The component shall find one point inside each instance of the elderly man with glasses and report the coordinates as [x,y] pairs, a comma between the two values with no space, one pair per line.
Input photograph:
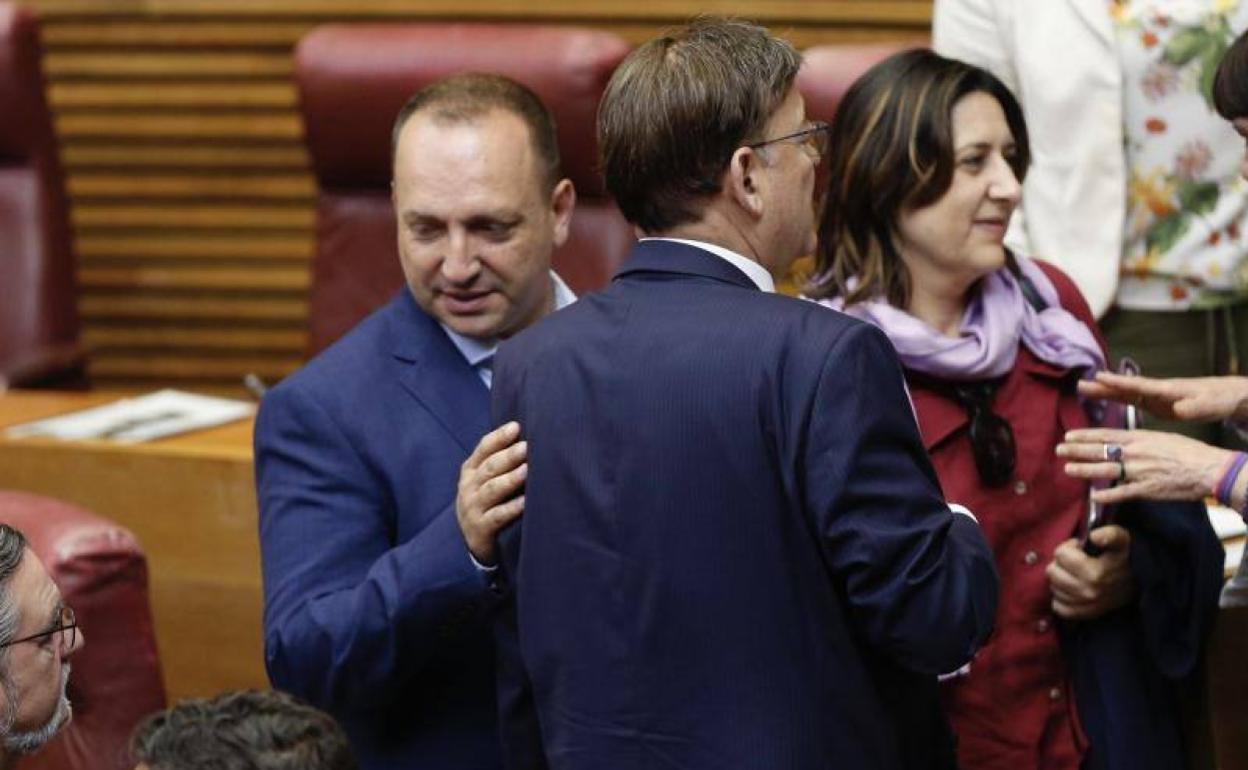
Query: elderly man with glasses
[38,636]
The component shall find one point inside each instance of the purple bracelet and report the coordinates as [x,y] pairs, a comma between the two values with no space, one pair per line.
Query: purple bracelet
[1223,492]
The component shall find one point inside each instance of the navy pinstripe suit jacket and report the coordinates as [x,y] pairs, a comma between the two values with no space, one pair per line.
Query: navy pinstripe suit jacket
[734,553]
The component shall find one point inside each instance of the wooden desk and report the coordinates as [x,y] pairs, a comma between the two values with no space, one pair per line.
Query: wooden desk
[191,502]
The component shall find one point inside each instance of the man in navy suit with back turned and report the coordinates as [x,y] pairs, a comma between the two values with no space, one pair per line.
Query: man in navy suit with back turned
[374,610]
[734,552]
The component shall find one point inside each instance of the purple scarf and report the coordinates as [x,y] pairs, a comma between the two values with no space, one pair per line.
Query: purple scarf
[997,319]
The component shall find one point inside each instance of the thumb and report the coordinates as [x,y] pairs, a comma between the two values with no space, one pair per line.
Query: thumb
[1110,538]
[1187,409]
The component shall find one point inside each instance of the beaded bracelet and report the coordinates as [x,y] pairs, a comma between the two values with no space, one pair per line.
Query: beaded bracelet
[1233,466]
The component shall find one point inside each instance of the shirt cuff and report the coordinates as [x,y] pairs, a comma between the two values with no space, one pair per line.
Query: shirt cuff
[488,571]
[965,670]
[962,509]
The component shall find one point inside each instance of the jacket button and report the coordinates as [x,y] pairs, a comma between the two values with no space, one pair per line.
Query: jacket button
[1020,488]
[1030,558]
[1055,693]
[1042,625]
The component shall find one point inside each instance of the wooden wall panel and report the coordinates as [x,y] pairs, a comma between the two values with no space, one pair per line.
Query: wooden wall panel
[191,197]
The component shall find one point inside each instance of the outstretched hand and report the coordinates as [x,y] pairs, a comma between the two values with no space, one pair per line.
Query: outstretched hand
[1153,465]
[489,482]
[1197,399]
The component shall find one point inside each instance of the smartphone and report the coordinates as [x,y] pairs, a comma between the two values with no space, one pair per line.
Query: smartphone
[1116,415]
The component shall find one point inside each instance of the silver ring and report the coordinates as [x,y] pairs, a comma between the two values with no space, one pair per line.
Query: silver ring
[1122,471]
[1113,453]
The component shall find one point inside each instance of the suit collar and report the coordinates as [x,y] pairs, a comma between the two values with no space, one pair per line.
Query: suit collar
[665,256]
[436,373]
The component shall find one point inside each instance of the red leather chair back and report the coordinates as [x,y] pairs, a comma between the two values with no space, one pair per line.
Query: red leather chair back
[353,79]
[829,70]
[827,73]
[38,315]
[116,678]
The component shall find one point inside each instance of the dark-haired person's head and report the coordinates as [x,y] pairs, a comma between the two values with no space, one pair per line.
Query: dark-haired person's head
[704,135]
[480,203]
[248,730]
[926,163]
[1230,90]
[38,636]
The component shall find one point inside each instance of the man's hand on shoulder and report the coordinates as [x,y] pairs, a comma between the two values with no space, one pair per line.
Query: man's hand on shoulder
[489,484]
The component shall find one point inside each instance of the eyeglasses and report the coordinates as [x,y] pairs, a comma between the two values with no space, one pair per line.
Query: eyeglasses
[813,138]
[992,438]
[67,627]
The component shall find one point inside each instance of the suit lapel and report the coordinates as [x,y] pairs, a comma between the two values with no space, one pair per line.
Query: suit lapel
[436,374]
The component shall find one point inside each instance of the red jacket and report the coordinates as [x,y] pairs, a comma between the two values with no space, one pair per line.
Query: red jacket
[1014,710]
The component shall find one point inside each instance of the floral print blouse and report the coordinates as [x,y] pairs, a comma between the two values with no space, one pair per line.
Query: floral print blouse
[1187,209]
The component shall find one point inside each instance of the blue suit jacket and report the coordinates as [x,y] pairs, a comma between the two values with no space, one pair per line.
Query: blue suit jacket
[734,551]
[373,609]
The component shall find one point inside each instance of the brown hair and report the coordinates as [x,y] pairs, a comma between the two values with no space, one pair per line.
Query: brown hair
[891,151]
[12,549]
[246,730]
[1230,82]
[465,97]
[677,109]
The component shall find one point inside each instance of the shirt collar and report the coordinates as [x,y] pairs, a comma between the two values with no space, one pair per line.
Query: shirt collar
[754,271]
[476,350]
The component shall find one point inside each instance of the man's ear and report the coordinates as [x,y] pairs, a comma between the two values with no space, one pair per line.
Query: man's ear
[562,202]
[743,181]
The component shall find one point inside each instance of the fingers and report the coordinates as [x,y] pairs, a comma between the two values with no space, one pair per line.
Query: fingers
[1093,471]
[492,442]
[1097,390]
[495,478]
[1070,595]
[500,516]
[1098,436]
[497,481]
[1075,568]
[1122,493]
[1086,586]
[1134,386]
[490,481]
[1194,409]
[1111,538]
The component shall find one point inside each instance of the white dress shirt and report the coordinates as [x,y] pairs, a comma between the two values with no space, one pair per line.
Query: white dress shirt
[754,271]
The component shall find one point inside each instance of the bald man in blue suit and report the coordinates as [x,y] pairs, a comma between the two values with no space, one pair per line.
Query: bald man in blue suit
[374,609]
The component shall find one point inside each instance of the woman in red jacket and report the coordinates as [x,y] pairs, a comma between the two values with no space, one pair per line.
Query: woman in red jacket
[926,163]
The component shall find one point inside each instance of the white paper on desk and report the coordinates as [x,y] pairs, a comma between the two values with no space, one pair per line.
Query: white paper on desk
[1226,522]
[1230,528]
[143,418]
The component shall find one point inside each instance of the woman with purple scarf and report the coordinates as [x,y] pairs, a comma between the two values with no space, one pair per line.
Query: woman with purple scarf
[927,155]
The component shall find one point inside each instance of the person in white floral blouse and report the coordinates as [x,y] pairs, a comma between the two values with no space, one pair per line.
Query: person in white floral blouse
[1134,189]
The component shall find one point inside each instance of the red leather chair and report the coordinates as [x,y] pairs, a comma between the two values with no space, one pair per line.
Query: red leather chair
[116,678]
[38,314]
[829,70]
[353,79]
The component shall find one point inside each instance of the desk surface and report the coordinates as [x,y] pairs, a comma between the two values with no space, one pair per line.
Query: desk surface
[190,500]
[230,441]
